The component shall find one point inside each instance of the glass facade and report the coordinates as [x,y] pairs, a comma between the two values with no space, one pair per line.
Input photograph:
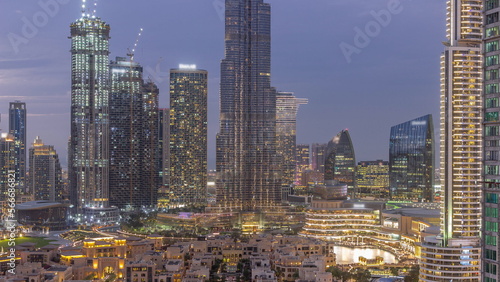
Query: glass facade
[287,107]
[340,161]
[372,178]
[89,145]
[248,171]
[491,191]
[7,165]
[130,159]
[318,157]
[17,127]
[45,177]
[411,160]
[188,137]
[302,161]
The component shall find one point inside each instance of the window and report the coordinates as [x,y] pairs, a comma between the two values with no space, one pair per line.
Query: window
[490,240]
[491,226]
[491,60]
[491,46]
[491,130]
[491,268]
[491,212]
[491,102]
[490,254]
[491,116]
[492,198]
[492,18]
[491,4]
[492,31]
[491,155]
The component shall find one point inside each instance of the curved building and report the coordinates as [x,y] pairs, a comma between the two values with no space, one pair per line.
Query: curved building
[411,160]
[340,161]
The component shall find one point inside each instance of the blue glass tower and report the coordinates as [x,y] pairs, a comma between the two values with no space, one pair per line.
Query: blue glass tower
[411,160]
[17,127]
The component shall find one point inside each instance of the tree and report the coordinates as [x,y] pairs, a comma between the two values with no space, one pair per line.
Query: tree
[339,273]
[413,274]
[361,275]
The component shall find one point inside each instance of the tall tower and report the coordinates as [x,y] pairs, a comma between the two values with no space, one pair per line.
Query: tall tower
[7,166]
[455,253]
[302,162]
[17,127]
[491,96]
[248,172]
[318,157]
[287,106]
[45,172]
[411,160]
[188,136]
[340,161]
[89,144]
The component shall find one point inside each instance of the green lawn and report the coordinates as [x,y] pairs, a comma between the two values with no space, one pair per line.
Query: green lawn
[40,242]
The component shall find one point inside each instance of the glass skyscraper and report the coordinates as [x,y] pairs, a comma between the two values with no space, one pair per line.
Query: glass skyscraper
[302,162]
[188,136]
[89,144]
[411,160]
[287,106]
[340,161]
[45,172]
[491,192]
[17,127]
[318,157]
[454,255]
[7,165]
[248,171]
[129,147]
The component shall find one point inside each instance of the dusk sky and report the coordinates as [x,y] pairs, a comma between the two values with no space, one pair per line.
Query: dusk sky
[390,79]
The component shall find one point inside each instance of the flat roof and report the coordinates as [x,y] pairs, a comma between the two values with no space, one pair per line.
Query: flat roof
[37,205]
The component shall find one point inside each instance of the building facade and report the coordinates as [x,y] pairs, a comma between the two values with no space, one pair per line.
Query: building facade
[7,164]
[45,177]
[17,127]
[188,136]
[318,157]
[133,140]
[302,162]
[89,145]
[411,160]
[247,165]
[372,178]
[455,253]
[287,106]
[490,261]
[340,161]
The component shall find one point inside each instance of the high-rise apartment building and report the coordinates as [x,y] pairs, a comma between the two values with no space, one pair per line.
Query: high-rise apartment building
[411,160]
[372,178]
[150,139]
[7,165]
[454,255]
[318,157]
[491,96]
[45,174]
[287,106]
[247,164]
[164,146]
[90,84]
[302,162]
[188,136]
[340,161]
[130,156]
[17,127]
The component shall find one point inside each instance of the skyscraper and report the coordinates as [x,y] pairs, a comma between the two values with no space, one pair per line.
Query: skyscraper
[411,160]
[45,177]
[318,157]
[133,117]
[491,96]
[302,162]
[372,178]
[455,253]
[17,127]
[89,144]
[188,136]
[340,161]
[7,164]
[287,106]
[247,164]
[164,149]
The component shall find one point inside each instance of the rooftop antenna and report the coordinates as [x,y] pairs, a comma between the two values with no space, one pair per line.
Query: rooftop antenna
[131,54]
[95,9]
[83,8]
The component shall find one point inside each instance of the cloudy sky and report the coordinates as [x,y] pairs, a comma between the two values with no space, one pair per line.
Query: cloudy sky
[356,72]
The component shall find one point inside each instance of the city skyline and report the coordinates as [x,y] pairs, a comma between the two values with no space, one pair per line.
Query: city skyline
[49,104]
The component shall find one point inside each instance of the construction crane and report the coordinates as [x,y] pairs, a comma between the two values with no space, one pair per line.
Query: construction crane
[131,53]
